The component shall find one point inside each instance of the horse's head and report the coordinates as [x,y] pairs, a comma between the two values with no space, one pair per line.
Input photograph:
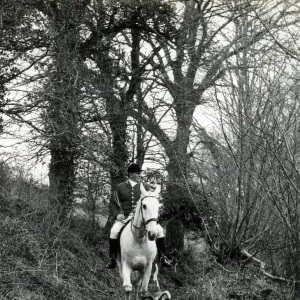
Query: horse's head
[149,212]
[149,207]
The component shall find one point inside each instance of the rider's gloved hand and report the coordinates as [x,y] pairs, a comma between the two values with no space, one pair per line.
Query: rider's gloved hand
[120,217]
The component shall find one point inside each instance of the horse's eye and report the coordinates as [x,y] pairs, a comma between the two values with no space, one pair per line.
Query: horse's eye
[144,206]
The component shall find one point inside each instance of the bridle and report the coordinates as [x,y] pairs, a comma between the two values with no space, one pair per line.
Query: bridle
[144,228]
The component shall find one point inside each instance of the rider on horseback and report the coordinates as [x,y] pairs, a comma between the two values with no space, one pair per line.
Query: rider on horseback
[125,198]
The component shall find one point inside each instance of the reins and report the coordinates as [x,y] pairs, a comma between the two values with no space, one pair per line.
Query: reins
[144,229]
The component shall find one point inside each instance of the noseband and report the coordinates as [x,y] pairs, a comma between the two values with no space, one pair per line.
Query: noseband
[143,229]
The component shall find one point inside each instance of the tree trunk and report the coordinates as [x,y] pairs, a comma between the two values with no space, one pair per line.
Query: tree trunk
[62,180]
[117,118]
[140,133]
[63,94]
[117,110]
[119,156]
[178,197]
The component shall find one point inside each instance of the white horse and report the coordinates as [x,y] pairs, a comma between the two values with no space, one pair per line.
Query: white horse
[138,247]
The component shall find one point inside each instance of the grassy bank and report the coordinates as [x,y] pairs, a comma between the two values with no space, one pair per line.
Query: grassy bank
[42,259]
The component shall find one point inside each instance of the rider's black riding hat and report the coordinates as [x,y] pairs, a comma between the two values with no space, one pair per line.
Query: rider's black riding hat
[134,168]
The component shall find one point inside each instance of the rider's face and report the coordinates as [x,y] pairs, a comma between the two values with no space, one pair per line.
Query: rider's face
[135,177]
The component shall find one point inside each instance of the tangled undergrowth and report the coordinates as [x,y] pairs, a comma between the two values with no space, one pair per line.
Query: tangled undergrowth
[40,259]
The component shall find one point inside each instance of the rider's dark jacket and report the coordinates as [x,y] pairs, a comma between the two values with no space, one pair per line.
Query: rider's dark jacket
[125,198]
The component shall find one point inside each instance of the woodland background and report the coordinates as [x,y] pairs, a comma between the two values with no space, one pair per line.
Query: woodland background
[98,84]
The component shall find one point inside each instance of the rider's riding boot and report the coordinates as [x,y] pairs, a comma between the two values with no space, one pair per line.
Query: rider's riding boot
[161,250]
[113,248]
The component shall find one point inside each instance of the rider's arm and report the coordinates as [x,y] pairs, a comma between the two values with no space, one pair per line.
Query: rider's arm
[116,208]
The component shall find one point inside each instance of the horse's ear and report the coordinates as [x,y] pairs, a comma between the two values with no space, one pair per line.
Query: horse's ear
[157,190]
[143,191]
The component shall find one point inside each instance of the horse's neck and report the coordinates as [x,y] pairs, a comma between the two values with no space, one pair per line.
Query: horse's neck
[138,223]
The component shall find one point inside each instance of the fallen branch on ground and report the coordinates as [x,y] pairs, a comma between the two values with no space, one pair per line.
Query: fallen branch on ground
[222,267]
[262,268]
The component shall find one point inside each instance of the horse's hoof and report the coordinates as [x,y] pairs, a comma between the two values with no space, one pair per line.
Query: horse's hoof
[165,296]
[127,288]
[144,294]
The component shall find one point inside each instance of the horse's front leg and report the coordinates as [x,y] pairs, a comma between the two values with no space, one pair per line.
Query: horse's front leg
[145,280]
[137,284]
[127,286]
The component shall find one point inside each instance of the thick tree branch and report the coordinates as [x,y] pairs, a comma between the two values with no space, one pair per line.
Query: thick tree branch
[151,125]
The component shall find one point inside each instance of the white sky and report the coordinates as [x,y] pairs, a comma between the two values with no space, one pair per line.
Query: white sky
[17,153]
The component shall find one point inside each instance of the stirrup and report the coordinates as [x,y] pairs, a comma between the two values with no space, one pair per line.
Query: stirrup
[111,264]
[165,262]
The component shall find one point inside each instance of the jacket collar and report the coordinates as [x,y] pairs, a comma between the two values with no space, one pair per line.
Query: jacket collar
[129,185]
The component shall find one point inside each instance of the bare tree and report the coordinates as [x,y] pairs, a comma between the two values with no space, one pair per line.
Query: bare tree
[203,43]
[256,186]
